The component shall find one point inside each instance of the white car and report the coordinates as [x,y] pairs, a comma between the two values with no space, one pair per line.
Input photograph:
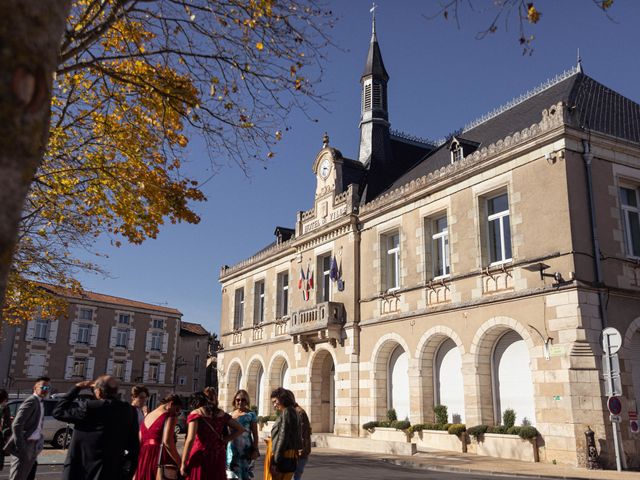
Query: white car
[55,432]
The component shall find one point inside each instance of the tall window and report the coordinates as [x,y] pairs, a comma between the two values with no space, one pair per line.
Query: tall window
[440,239]
[79,367]
[158,323]
[124,319]
[84,333]
[122,337]
[118,369]
[42,329]
[324,278]
[258,303]
[391,250]
[156,341]
[631,219]
[238,309]
[153,372]
[499,229]
[86,314]
[283,294]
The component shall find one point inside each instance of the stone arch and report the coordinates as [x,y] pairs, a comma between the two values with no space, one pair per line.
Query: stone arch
[256,372]
[426,352]
[279,360]
[630,356]
[380,358]
[481,351]
[232,382]
[322,391]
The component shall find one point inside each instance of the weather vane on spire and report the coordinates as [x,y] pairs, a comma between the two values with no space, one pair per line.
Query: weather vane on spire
[579,66]
[373,18]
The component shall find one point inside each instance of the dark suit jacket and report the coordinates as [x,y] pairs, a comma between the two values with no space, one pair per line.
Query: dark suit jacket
[105,438]
[285,434]
[24,424]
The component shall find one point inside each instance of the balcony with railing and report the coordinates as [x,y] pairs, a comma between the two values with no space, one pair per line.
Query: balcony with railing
[319,324]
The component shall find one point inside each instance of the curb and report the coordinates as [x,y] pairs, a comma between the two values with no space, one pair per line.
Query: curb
[453,469]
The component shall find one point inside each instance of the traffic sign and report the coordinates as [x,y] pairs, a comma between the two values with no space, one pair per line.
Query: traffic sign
[615,418]
[612,372]
[611,340]
[633,426]
[614,405]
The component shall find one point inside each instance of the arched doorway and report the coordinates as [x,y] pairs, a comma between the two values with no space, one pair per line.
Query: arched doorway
[511,378]
[448,383]
[260,392]
[398,382]
[322,406]
[255,383]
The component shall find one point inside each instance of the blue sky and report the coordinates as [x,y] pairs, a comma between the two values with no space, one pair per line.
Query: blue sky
[441,78]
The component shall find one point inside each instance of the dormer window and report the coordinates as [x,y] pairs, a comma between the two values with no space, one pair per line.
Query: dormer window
[457,153]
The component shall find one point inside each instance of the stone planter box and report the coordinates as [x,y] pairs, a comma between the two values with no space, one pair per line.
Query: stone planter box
[265,431]
[390,435]
[505,446]
[437,440]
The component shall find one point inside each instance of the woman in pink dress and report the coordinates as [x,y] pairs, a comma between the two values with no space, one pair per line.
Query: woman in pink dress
[204,456]
[157,431]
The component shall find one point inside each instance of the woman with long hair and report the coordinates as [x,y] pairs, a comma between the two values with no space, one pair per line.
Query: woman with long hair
[204,452]
[156,434]
[243,451]
[282,448]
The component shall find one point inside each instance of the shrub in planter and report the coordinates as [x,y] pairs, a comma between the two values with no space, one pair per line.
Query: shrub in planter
[497,429]
[477,431]
[528,432]
[509,418]
[400,424]
[392,416]
[514,430]
[457,429]
[441,414]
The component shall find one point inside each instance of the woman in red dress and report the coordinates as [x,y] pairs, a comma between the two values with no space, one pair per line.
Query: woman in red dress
[155,431]
[205,449]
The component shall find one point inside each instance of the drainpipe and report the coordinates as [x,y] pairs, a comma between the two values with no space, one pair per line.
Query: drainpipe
[587,156]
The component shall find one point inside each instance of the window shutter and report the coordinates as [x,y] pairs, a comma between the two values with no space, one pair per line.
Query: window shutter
[53,331]
[91,362]
[31,330]
[165,342]
[127,371]
[110,366]
[145,373]
[132,339]
[68,369]
[36,365]
[162,368]
[73,334]
[147,343]
[93,335]
[112,337]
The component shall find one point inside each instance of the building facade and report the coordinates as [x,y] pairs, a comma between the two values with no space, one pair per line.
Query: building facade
[191,362]
[133,341]
[476,272]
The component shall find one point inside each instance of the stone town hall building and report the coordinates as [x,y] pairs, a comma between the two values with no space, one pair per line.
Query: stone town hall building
[477,272]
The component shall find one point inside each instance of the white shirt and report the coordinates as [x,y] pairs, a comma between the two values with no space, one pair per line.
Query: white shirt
[37,433]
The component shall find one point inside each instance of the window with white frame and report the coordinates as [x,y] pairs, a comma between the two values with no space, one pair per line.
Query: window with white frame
[324,280]
[158,323]
[631,219]
[79,367]
[41,331]
[390,243]
[124,319]
[156,341]
[499,229]
[153,372]
[122,337]
[283,294]
[440,242]
[86,314]
[456,153]
[238,309]
[118,370]
[84,333]
[258,302]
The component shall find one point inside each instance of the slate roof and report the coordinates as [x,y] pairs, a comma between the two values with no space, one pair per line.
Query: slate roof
[592,106]
[100,297]
[192,328]
[374,64]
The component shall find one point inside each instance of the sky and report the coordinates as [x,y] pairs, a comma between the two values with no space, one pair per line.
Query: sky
[441,78]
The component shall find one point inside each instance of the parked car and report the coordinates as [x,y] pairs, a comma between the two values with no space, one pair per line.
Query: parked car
[55,432]
[181,423]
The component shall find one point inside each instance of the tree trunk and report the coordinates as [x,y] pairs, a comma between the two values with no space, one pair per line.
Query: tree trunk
[30,35]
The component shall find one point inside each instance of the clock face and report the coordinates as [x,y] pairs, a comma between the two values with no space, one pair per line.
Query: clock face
[325,168]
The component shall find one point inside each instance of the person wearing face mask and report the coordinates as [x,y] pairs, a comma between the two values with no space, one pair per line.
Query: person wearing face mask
[105,436]
[26,440]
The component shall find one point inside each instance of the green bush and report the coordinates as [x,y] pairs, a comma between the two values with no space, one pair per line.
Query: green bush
[266,418]
[457,429]
[477,431]
[254,409]
[514,430]
[392,416]
[370,426]
[497,429]
[400,424]
[441,414]
[528,432]
[509,418]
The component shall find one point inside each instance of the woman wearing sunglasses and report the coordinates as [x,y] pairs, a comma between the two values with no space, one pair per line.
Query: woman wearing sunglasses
[243,451]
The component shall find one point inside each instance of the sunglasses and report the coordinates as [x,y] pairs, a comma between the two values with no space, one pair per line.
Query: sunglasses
[45,387]
[242,400]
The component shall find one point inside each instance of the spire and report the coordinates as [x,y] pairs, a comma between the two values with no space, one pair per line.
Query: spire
[374,65]
[373,23]
[579,65]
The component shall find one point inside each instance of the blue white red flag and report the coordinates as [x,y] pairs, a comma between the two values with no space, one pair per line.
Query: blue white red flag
[333,271]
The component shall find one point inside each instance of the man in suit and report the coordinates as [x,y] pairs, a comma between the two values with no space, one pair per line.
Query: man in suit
[105,443]
[26,439]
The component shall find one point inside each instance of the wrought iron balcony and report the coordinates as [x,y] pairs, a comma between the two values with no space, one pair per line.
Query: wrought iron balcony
[321,323]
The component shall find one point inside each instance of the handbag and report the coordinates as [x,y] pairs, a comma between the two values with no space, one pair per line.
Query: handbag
[288,463]
[166,471]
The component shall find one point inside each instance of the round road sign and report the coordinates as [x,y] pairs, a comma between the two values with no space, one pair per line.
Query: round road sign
[633,426]
[611,340]
[614,405]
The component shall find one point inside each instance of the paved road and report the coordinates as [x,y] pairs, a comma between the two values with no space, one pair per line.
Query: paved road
[323,466]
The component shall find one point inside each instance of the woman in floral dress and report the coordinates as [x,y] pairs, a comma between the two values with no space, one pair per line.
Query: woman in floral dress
[243,451]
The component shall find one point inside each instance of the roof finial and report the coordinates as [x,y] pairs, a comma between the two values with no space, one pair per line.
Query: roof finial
[579,66]
[373,21]
[325,140]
